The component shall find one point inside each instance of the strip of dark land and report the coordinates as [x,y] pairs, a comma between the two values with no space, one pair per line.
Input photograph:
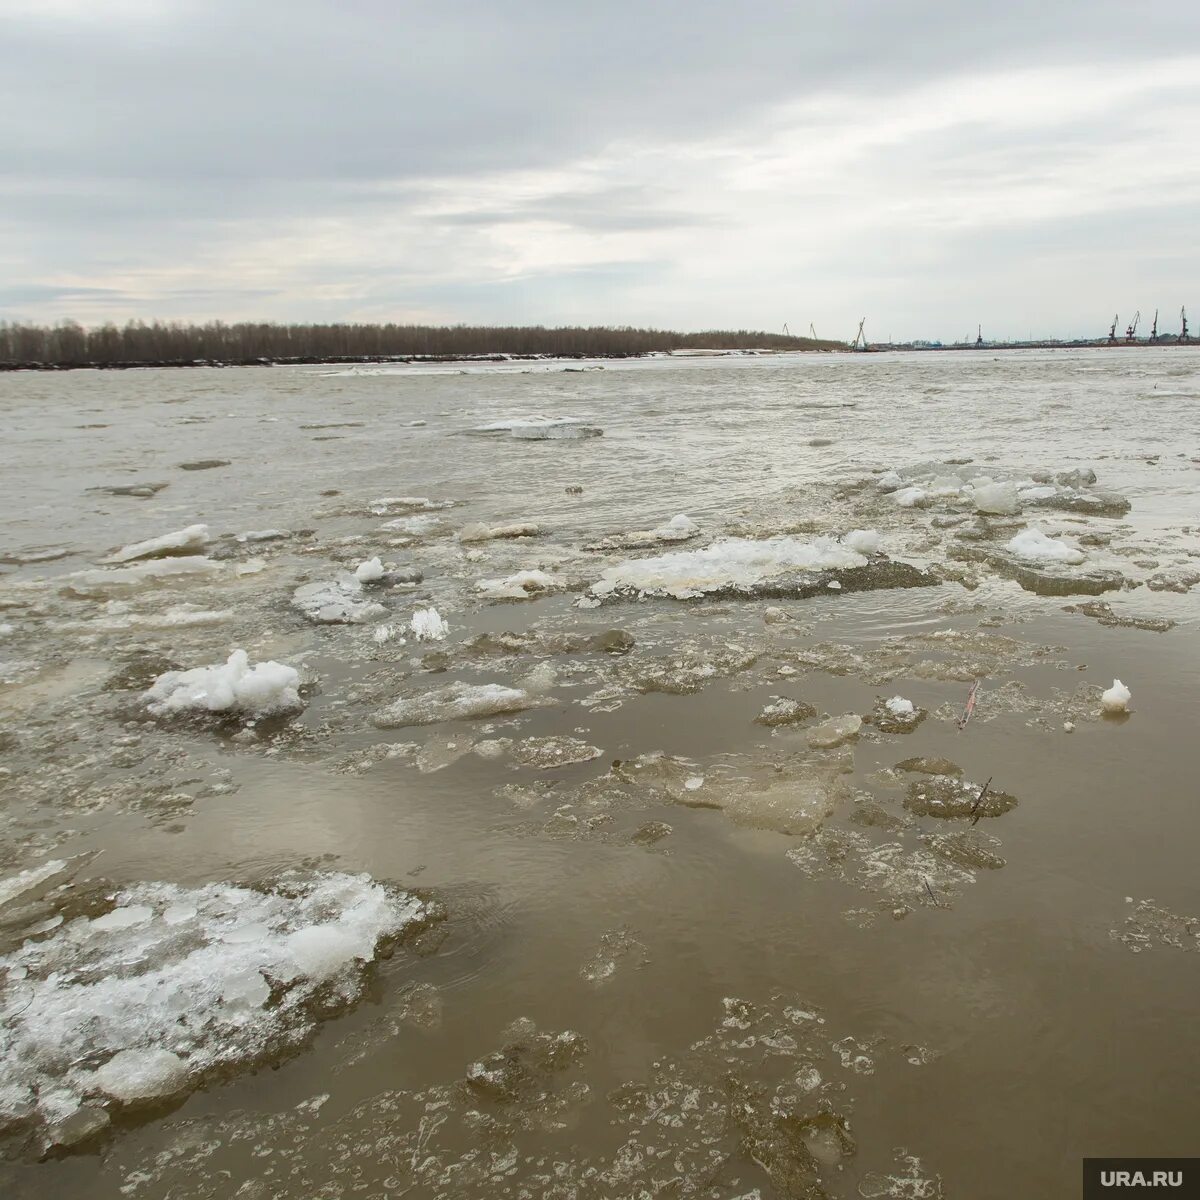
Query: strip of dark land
[159,344]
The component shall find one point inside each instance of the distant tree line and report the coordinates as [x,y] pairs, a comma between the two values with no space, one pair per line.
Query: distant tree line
[69,344]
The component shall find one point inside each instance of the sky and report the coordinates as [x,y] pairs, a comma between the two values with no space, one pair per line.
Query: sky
[932,166]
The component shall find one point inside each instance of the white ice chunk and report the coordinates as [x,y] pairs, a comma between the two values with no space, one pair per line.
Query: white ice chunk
[427,625]
[998,498]
[519,586]
[909,497]
[865,541]
[1116,698]
[369,571]
[230,687]
[194,537]
[132,1075]
[899,707]
[1033,545]
[124,918]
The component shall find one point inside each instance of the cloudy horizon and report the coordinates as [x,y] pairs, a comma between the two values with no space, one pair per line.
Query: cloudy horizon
[926,166]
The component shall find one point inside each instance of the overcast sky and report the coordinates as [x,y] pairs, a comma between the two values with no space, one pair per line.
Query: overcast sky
[1034,166]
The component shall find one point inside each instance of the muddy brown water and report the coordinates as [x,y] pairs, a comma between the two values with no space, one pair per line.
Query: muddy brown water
[1003,1023]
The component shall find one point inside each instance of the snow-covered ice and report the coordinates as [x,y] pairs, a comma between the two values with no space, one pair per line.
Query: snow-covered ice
[729,563]
[427,625]
[234,686]
[108,1012]
[537,427]
[1033,545]
[1116,698]
[182,541]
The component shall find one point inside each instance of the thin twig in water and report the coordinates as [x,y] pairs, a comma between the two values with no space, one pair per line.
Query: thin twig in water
[975,813]
[962,721]
[931,895]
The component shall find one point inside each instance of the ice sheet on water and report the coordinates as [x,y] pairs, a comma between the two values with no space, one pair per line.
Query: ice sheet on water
[546,753]
[406,505]
[112,1011]
[455,702]
[182,541]
[680,528]
[339,602]
[230,688]
[478,531]
[122,579]
[730,565]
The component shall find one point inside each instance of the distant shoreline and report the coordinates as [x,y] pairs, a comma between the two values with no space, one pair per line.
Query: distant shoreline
[441,359]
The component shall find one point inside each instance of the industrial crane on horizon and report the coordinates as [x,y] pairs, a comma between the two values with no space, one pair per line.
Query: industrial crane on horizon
[1112,331]
[1131,328]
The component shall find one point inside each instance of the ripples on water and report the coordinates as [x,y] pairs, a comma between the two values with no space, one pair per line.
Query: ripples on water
[878,1002]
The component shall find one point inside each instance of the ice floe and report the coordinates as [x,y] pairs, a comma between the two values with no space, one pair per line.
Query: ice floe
[478,531]
[1116,698]
[455,701]
[121,579]
[182,541]
[338,602]
[539,428]
[232,687]
[732,565]
[522,585]
[105,1013]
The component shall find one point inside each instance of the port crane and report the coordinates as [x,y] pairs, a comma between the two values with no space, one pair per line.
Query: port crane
[1154,327]
[1183,337]
[859,337]
[979,336]
[1112,331]
[812,330]
[1131,328]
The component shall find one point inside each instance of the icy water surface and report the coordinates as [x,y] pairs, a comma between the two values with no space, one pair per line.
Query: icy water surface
[617,833]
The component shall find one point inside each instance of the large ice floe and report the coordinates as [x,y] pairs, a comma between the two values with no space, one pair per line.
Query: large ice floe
[775,566]
[144,1001]
[230,688]
[182,541]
